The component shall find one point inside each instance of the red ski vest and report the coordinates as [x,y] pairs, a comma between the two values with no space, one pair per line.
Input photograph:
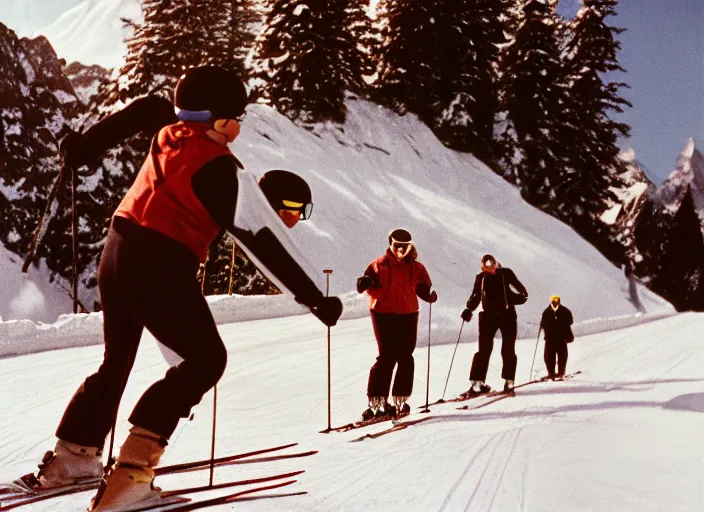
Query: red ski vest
[162,199]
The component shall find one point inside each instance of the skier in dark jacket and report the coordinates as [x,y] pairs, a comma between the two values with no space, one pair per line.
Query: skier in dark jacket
[556,324]
[188,189]
[394,281]
[491,289]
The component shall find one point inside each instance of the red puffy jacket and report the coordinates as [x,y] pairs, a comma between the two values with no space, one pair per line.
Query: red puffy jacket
[397,284]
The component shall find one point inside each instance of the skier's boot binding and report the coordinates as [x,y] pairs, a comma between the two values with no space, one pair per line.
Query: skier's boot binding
[69,464]
[402,407]
[370,412]
[478,388]
[375,409]
[508,386]
[387,409]
[129,485]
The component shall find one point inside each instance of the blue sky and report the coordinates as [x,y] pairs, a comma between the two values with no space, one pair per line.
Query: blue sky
[663,54]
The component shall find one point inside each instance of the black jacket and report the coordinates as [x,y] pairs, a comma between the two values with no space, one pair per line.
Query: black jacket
[493,291]
[556,324]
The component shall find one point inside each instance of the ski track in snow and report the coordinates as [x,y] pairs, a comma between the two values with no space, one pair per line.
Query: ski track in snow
[623,435]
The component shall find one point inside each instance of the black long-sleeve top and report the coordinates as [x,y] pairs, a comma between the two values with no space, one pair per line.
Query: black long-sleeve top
[491,290]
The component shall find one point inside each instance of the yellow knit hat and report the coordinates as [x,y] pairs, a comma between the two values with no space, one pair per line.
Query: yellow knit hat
[554,297]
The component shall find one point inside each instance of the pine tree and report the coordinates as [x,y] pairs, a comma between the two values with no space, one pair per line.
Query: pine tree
[593,160]
[534,91]
[672,249]
[408,57]
[37,106]
[236,33]
[472,33]
[308,56]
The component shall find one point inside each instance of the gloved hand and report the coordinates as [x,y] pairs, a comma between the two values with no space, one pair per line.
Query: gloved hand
[466,315]
[433,297]
[71,149]
[76,152]
[363,283]
[328,310]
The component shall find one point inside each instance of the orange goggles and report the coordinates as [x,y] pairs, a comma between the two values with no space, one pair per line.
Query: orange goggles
[303,209]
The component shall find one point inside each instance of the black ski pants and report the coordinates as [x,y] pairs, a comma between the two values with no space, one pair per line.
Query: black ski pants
[146,280]
[555,350]
[489,323]
[396,338]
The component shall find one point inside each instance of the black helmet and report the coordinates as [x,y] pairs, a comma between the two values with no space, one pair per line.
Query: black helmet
[287,191]
[488,261]
[209,92]
[400,236]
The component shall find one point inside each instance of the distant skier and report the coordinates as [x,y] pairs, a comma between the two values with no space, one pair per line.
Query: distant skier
[491,289]
[188,188]
[393,282]
[556,324]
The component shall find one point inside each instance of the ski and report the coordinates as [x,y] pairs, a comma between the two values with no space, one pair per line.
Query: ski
[25,486]
[493,397]
[166,495]
[365,423]
[227,499]
[229,461]
[460,398]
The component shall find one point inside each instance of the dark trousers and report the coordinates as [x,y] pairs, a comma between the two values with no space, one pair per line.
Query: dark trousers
[396,339]
[146,280]
[555,350]
[489,323]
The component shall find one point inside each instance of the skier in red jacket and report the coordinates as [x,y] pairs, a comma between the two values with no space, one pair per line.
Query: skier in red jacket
[394,281]
[188,189]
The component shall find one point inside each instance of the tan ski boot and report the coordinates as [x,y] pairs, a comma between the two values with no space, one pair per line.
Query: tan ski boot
[70,464]
[129,485]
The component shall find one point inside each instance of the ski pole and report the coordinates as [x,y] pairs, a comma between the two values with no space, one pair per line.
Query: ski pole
[232,266]
[74,236]
[451,361]
[534,353]
[123,385]
[327,272]
[212,446]
[427,386]
[43,220]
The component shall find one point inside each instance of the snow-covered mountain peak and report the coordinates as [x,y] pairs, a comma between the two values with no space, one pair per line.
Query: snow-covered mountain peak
[688,174]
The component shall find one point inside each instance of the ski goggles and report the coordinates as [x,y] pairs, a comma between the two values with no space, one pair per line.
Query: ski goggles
[303,209]
[404,246]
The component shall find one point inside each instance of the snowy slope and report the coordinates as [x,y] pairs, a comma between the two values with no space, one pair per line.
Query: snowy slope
[29,295]
[624,436]
[386,172]
[88,31]
[24,17]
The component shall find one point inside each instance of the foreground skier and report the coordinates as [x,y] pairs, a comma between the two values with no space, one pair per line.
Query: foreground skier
[394,281]
[188,189]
